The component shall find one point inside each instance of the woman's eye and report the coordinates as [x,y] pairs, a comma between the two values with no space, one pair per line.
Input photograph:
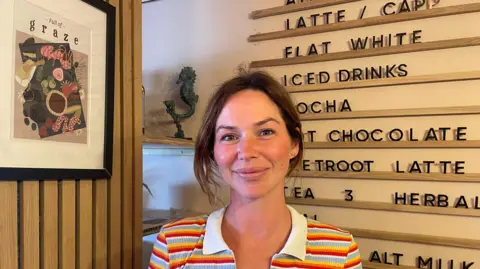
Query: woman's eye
[227,138]
[267,132]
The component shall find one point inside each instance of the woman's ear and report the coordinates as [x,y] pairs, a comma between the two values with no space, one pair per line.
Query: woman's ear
[295,145]
[294,151]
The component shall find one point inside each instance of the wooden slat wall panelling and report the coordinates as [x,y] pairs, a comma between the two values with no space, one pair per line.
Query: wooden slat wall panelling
[394,145]
[366,22]
[100,202]
[115,183]
[439,177]
[8,225]
[84,224]
[127,132]
[30,225]
[366,84]
[137,135]
[257,14]
[391,207]
[67,231]
[416,238]
[354,54]
[374,265]
[49,224]
[408,112]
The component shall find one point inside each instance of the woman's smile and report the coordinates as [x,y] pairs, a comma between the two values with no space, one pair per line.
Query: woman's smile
[251,173]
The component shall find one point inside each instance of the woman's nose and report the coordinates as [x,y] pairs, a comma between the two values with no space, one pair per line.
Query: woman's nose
[247,148]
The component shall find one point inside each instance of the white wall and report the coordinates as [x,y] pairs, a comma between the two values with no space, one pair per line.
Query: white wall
[211,36]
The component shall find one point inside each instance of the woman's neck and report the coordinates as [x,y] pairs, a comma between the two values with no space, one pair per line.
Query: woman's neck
[257,219]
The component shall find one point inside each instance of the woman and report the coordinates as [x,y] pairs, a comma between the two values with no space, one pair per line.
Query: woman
[251,138]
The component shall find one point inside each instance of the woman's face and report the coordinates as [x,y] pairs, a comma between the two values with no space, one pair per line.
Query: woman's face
[252,145]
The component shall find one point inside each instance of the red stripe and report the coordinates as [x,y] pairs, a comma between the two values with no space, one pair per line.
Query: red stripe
[353,264]
[328,237]
[185,248]
[180,249]
[201,260]
[353,249]
[162,239]
[160,255]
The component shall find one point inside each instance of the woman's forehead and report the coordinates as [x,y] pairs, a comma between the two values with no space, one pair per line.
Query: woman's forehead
[248,107]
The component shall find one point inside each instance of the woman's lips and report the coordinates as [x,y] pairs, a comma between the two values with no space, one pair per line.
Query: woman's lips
[250,173]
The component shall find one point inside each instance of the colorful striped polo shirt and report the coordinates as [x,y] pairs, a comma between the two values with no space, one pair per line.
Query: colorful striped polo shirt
[197,243]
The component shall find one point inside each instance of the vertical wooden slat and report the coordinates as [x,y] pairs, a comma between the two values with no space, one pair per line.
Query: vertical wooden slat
[100,224]
[67,224]
[8,225]
[137,134]
[85,224]
[115,183]
[30,224]
[49,228]
[127,133]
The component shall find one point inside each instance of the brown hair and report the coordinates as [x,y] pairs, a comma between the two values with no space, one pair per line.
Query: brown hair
[204,161]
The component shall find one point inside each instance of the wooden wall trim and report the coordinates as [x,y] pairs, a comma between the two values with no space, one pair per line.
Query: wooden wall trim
[84,224]
[373,21]
[8,225]
[394,145]
[416,238]
[378,175]
[115,183]
[383,206]
[68,226]
[49,236]
[30,224]
[137,179]
[262,13]
[397,81]
[407,112]
[100,222]
[375,265]
[126,63]
[382,51]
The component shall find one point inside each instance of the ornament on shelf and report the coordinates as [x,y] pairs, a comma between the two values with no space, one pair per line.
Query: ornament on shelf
[187,94]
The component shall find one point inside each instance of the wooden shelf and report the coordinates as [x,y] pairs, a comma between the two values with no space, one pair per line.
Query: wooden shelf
[257,14]
[446,211]
[154,219]
[377,175]
[376,265]
[362,53]
[446,77]
[416,238]
[379,20]
[411,112]
[167,141]
[392,144]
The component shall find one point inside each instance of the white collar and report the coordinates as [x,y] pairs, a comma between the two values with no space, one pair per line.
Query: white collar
[295,246]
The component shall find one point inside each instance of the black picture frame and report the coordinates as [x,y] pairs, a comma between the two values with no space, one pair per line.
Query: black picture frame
[34,173]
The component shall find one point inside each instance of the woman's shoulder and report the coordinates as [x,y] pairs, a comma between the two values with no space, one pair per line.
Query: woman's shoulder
[186,223]
[316,227]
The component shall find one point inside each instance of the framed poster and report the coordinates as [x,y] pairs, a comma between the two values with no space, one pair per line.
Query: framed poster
[56,89]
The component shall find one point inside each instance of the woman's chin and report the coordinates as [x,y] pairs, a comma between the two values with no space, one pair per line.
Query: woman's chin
[252,192]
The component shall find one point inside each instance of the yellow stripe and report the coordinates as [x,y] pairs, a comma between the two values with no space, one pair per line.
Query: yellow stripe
[328,248]
[183,232]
